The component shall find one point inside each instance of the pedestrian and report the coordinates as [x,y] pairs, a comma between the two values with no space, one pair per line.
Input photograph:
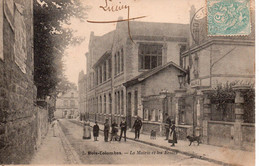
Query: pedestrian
[114,131]
[123,126]
[87,130]
[137,126]
[54,127]
[167,126]
[174,135]
[106,130]
[95,131]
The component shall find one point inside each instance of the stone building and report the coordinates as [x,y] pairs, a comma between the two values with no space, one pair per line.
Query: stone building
[211,62]
[82,84]
[170,68]
[113,59]
[67,105]
[18,125]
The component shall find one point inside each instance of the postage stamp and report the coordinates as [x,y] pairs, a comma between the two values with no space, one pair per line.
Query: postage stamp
[228,17]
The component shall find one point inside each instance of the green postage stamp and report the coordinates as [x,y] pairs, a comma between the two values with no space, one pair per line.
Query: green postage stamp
[228,17]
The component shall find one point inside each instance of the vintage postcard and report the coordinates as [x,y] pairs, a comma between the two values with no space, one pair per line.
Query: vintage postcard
[125,82]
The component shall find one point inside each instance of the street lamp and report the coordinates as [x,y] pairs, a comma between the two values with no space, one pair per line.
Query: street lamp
[181,79]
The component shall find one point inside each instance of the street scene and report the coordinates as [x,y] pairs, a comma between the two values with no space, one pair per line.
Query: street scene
[127,82]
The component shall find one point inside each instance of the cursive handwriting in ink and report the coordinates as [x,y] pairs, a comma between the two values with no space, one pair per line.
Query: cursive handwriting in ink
[115,8]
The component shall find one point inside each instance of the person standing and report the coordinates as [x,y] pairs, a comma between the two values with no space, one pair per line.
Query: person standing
[123,127]
[137,126]
[54,127]
[95,131]
[106,130]
[114,131]
[167,126]
[174,135]
[86,131]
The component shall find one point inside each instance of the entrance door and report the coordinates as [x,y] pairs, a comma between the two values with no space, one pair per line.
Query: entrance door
[129,108]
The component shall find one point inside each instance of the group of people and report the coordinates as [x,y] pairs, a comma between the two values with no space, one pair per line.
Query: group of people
[170,130]
[114,130]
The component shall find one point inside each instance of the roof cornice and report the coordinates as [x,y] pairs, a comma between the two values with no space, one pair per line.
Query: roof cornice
[218,42]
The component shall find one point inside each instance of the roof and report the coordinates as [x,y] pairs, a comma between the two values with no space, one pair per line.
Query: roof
[103,57]
[152,72]
[100,44]
[159,29]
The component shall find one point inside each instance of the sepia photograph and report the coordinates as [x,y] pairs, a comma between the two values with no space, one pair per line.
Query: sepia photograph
[127,82]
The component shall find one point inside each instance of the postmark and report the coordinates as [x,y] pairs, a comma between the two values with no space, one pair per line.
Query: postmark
[228,17]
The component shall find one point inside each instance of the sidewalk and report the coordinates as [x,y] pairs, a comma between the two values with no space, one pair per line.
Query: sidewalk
[218,155]
[55,150]
[51,150]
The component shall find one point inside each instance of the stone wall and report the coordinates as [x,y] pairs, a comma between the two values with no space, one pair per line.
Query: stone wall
[18,122]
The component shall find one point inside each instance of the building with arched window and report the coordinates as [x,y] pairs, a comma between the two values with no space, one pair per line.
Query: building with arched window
[67,105]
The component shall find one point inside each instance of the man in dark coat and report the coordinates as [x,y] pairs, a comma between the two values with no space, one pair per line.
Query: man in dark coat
[114,131]
[137,126]
[167,126]
[174,135]
[95,131]
[123,126]
[106,130]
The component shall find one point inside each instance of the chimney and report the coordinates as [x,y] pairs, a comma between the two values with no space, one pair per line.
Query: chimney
[192,11]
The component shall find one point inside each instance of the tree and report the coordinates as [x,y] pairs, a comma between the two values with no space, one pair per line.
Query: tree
[51,39]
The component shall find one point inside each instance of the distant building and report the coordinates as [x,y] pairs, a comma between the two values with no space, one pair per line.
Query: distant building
[67,105]
[82,84]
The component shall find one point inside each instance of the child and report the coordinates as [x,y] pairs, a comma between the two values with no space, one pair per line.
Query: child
[95,131]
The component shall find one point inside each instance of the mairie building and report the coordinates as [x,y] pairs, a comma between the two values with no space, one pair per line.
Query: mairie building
[176,69]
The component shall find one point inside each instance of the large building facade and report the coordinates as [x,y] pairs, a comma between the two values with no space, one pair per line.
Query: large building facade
[114,59]
[174,69]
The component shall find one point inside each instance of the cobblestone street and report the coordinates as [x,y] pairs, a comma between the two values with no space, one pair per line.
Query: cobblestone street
[100,152]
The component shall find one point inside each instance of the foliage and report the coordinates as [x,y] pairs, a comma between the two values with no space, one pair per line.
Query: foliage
[51,39]
[249,105]
[224,94]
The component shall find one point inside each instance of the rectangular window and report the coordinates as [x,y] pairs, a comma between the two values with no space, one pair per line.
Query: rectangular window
[105,71]
[136,103]
[118,102]
[100,104]
[150,55]
[65,104]
[100,74]
[96,77]
[105,108]
[122,60]
[118,62]
[115,103]
[97,107]
[72,103]
[115,63]
[110,103]
[122,102]
[109,67]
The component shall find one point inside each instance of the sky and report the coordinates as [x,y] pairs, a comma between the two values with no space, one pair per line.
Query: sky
[170,11]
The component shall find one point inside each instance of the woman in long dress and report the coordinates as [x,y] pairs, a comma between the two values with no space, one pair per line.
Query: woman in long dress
[174,135]
[86,131]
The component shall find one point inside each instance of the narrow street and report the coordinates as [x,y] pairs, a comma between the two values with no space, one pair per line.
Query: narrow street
[100,152]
